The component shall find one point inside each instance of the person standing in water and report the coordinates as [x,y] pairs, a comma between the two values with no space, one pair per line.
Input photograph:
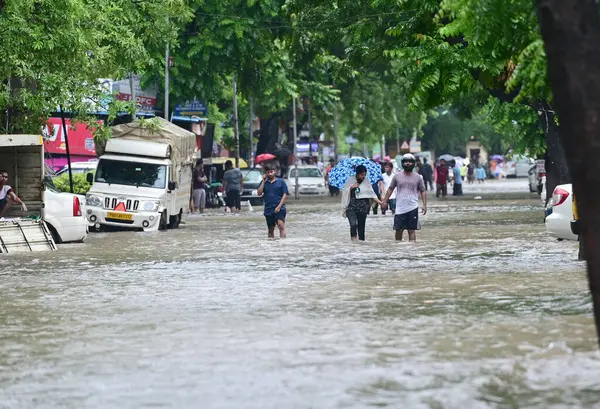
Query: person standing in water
[275,192]
[233,184]
[409,186]
[388,176]
[356,202]
[427,173]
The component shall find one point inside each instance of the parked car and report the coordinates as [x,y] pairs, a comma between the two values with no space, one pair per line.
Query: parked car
[310,180]
[518,167]
[64,214]
[79,167]
[252,180]
[559,213]
[536,180]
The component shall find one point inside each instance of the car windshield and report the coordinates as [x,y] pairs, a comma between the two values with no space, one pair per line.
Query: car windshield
[306,173]
[131,173]
[252,176]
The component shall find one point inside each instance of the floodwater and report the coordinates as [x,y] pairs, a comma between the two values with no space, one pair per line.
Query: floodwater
[485,311]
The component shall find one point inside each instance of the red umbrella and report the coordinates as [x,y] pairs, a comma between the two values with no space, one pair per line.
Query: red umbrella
[264,157]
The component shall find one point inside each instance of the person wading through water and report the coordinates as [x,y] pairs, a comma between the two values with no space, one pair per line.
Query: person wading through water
[356,202]
[275,193]
[409,186]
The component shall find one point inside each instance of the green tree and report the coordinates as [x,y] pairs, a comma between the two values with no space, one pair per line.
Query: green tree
[54,52]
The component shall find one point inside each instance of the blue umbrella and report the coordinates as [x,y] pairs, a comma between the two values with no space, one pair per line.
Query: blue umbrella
[347,167]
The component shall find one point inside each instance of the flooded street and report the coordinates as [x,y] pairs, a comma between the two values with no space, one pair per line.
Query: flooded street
[485,311]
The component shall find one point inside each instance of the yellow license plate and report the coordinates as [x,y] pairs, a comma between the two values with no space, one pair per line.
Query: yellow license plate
[119,216]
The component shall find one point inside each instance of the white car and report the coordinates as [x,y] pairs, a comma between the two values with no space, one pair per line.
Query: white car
[64,213]
[518,167]
[310,180]
[559,213]
[79,167]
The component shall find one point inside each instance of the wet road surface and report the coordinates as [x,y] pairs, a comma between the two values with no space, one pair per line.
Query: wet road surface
[485,311]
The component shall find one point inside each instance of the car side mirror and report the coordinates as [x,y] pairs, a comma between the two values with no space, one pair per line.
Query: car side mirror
[89,178]
[172,185]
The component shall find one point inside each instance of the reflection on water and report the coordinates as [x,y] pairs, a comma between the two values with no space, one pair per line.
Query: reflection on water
[484,311]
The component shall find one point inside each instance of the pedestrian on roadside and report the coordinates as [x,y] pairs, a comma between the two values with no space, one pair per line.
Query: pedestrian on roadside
[480,173]
[8,196]
[457,188]
[442,179]
[333,191]
[388,176]
[463,171]
[199,195]
[409,186]
[275,192]
[470,173]
[377,186]
[356,202]
[427,173]
[233,184]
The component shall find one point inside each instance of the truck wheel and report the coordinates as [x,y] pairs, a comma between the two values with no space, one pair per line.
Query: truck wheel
[163,221]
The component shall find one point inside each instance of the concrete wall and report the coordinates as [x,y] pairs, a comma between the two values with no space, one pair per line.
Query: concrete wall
[483,153]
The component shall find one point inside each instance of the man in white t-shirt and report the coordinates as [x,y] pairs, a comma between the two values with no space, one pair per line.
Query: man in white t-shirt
[388,176]
[7,195]
[409,186]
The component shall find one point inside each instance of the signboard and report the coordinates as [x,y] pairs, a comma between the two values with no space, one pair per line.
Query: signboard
[350,140]
[81,140]
[405,146]
[145,99]
[415,146]
[195,107]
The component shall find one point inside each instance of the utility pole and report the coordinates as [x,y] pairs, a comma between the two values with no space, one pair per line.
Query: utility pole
[235,122]
[251,136]
[296,194]
[167,62]
[66,135]
[336,123]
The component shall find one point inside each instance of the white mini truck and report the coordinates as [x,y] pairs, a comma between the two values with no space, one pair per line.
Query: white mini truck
[143,180]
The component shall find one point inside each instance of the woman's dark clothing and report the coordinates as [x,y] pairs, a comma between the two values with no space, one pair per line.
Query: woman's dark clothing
[357,212]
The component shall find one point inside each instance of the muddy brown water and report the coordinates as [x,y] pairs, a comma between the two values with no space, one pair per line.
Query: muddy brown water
[485,311]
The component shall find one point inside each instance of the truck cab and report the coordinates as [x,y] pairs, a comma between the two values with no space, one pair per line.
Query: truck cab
[139,184]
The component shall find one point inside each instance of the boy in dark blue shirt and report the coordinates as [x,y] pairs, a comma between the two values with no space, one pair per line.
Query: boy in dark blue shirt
[274,192]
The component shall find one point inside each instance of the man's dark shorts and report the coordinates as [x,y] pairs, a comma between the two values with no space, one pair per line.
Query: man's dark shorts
[3,203]
[407,221]
[273,218]
[233,199]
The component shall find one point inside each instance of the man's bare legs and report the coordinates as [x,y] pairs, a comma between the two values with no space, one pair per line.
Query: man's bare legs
[272,232]
[412,235]
[282,230]
[399,234]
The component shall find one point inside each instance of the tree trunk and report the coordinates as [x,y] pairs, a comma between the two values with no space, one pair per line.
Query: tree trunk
[571,33]
[557,169]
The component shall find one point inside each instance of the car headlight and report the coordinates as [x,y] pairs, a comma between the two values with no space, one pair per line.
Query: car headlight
[91,200]
[151,206]
[320,185]
[254,193]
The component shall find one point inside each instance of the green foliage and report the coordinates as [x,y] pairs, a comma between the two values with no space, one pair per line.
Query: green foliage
[80,184]
[54,52]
